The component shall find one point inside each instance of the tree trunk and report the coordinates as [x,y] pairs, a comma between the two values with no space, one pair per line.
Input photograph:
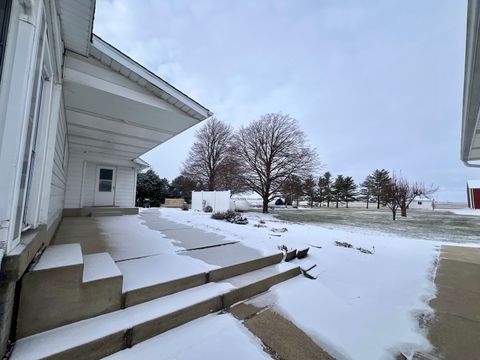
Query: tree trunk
[394,213]
[367,203]
[328,203]
[378,203]
[265,206]
[403,211]
[346,203]
[336,204]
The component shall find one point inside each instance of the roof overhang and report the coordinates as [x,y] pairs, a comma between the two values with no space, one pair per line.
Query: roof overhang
[470,143]
[76,19]
[110,114]
[114,106]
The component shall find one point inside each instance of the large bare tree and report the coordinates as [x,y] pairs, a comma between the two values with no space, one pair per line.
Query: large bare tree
[208,157]
[400,193]
[270,150]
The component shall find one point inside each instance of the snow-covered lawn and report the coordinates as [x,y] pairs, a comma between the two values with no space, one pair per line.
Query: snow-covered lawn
[361,306]
[471,212]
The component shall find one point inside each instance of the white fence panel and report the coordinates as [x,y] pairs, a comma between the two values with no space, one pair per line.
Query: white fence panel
[218,200]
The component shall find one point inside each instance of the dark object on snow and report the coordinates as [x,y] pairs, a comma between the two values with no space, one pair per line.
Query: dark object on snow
[279,230]
[344,244]
[365,251]
[306,274]
[302,253]
[315,246]
[279,202]
[282,247]
[208,209]
[290,255]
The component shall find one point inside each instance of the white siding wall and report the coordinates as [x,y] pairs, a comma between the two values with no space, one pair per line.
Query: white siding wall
[90,177]
[74,181]
[59,172]
[124,187]
[124,190]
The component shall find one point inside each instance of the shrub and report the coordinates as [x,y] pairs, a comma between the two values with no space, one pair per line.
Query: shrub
[230,216]
[185,207]
[218,215]
[208,209]
[279,202]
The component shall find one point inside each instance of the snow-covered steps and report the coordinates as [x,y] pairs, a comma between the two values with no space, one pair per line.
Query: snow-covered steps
[65,286]
[133,296]
[258,281]
[109,333]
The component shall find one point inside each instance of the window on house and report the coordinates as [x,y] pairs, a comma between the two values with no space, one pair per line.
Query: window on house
[4,17]
[419,203]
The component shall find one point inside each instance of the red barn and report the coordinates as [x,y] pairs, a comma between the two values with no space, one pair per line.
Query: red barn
[473,194]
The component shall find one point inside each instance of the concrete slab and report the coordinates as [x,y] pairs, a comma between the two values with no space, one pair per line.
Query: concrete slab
[184,236]
[225,255]
[459,253]
[282,338]
[151,270]
[455,330]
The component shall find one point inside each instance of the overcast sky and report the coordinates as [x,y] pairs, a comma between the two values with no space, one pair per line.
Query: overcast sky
[374,84]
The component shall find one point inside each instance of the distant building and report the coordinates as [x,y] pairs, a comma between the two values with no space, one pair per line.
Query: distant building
[473,194]
[422,204]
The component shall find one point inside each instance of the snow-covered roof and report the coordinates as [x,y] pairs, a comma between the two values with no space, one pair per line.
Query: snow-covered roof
[473,184]
[419,198]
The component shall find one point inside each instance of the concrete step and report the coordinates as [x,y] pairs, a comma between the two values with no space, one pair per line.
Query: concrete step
[109,333]
[154,291]
[106,213]
[65,287]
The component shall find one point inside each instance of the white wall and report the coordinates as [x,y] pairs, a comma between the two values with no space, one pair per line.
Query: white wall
[425,205]
[218,200]
[59,172]
[24,54]
[80,167]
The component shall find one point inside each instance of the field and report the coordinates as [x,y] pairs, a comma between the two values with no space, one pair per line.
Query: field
[429,225]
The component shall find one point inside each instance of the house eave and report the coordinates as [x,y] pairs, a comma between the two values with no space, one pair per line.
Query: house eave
[470,136]
[108,55]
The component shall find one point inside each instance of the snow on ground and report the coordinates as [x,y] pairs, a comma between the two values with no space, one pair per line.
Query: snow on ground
[210,337]
[361,306]
[472,212]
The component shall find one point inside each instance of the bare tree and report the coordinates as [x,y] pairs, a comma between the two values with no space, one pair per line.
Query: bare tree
[400,193]
[207,158]
[391,193]
[271,149]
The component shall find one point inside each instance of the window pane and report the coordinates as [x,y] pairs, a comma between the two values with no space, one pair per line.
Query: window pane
[106,174]
[105,185]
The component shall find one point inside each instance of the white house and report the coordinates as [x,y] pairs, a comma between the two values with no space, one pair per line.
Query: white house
[76,114]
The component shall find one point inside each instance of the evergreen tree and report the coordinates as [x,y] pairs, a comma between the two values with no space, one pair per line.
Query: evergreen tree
[379,180]
[309,189]
[292,189]
[367,189]
[338,189]
[151,187]
[349,190]
[325,188]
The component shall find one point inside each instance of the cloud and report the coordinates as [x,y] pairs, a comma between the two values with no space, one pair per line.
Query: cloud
[374,84]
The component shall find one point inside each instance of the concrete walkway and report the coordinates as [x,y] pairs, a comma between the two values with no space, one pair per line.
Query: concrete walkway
[281,337]
[455,330]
